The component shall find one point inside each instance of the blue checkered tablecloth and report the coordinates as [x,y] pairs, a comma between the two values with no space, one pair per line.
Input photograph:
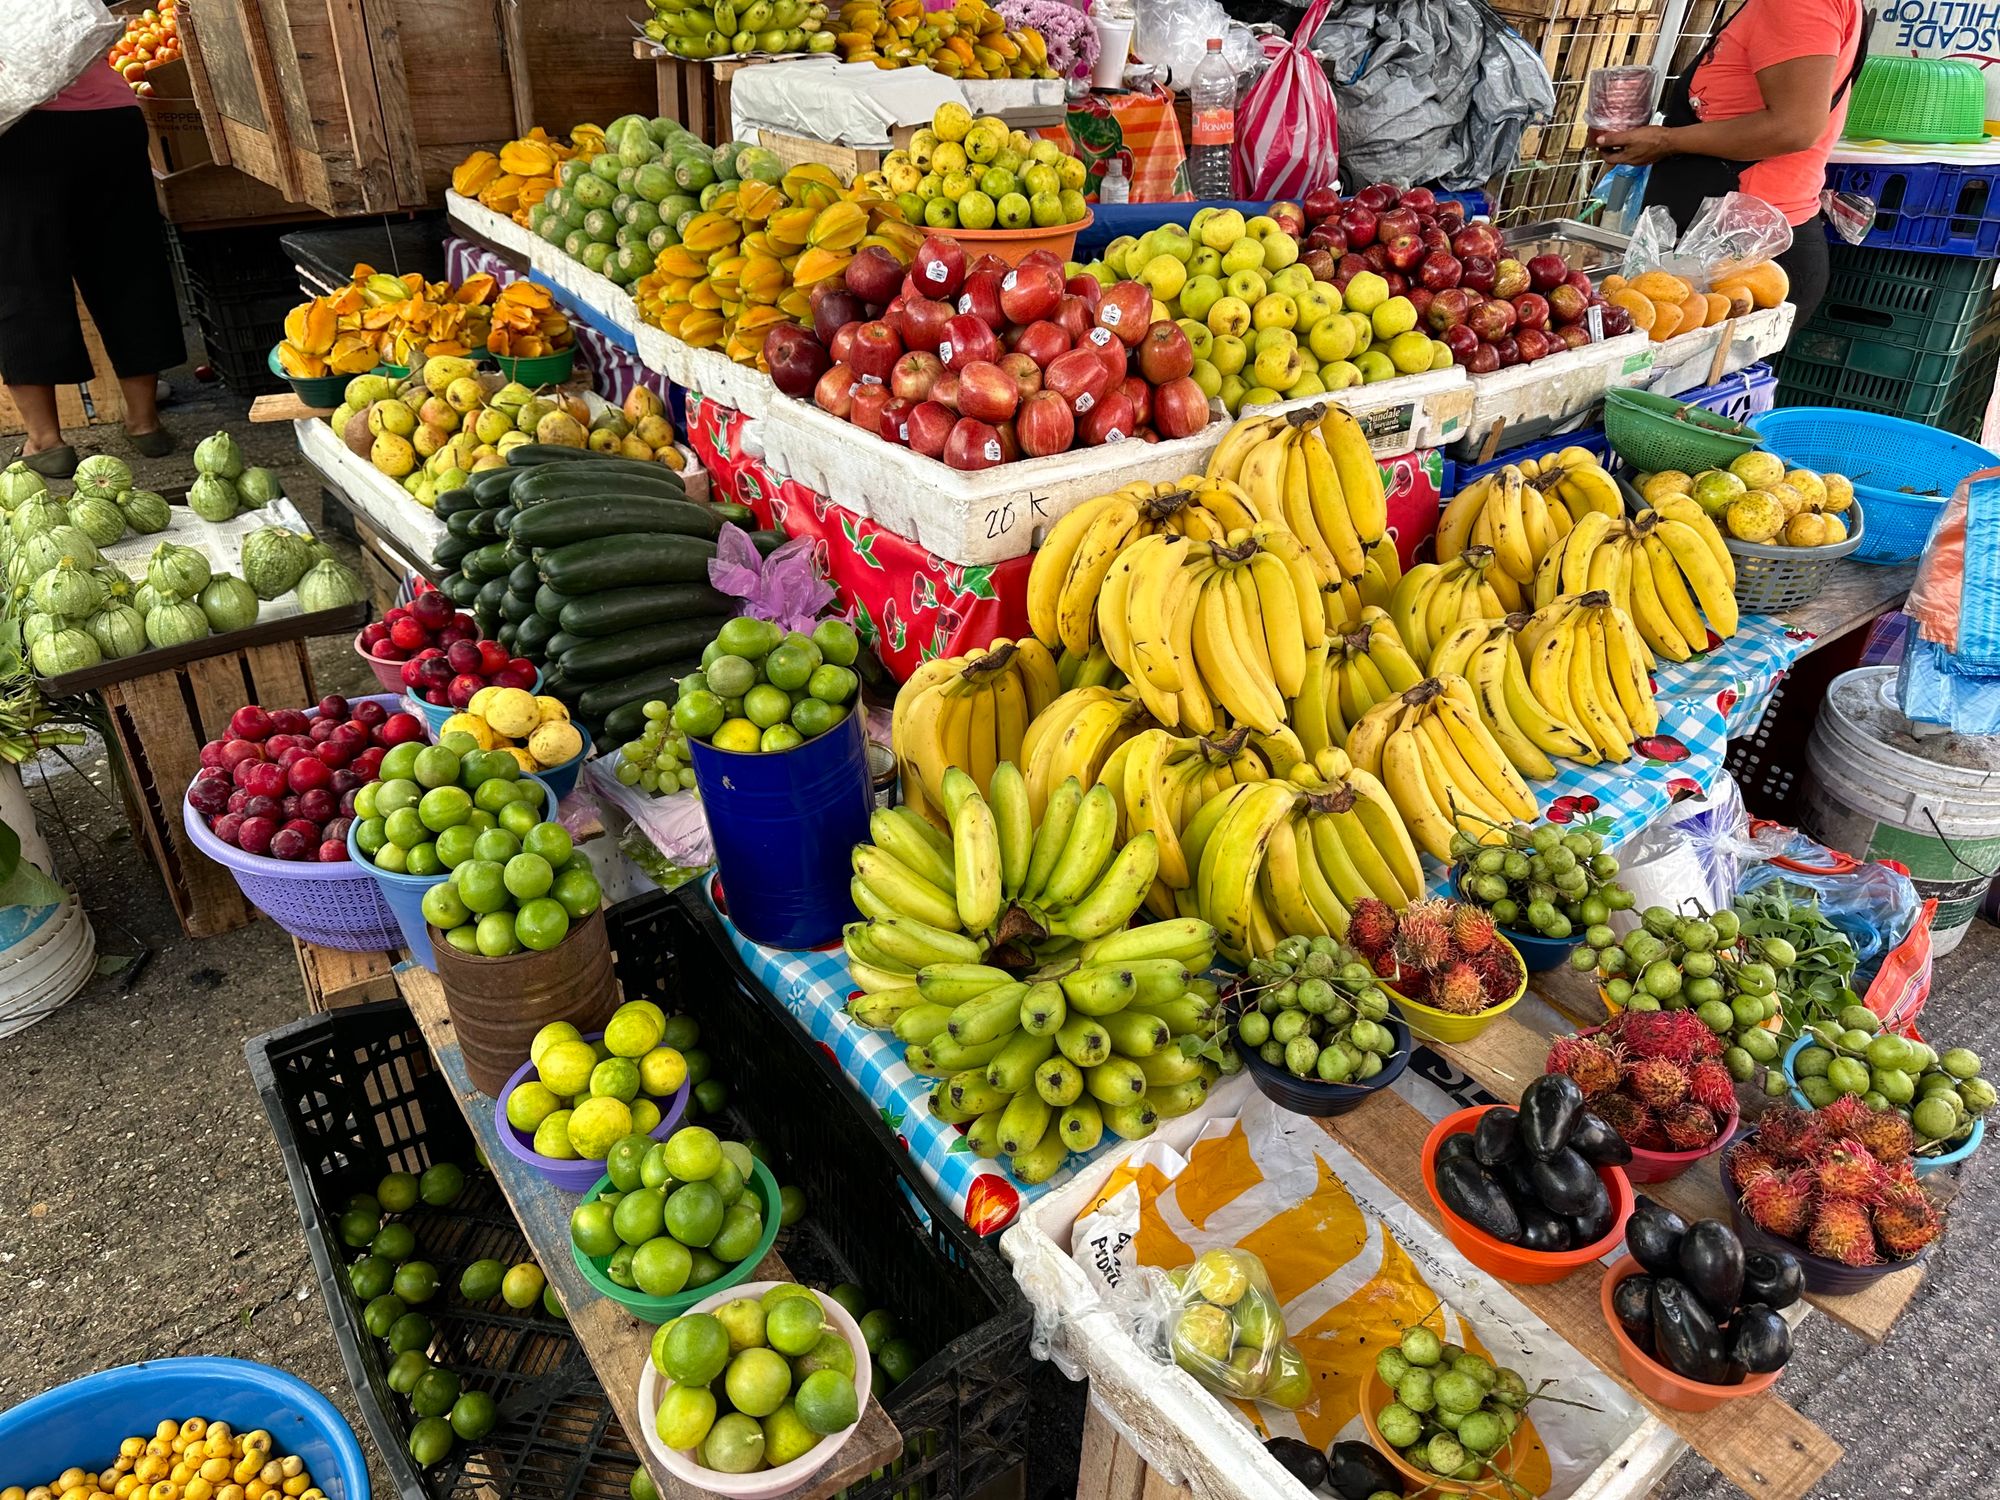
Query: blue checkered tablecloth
[1738,676]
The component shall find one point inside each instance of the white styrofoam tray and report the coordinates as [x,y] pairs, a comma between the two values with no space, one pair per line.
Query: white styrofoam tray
[495,228]
[978,518]
[1401,415]
[1186,1435]
[708,372]
[387,505]
[1682,362]
[1529,400]
[612,304]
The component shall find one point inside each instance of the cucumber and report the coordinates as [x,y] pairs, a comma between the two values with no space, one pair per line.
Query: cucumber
[769,541]
[561,641]
[607,656]
[505,634]
[486,562]
[554,483]
[516,607]
[628,720]
[485,523]
[549,604]
[454,500]
[601,698]
[490,486]
[734,514]
[450,549]
[460,589]
[623,609]
[610,562]
[522,580]
[528,455]
[560,522]
[491,593]
[531,637]
[504,518]
[460,522]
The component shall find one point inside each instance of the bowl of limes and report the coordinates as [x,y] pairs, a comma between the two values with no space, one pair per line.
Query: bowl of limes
[755,1389]
[572,1103]
[666,1226]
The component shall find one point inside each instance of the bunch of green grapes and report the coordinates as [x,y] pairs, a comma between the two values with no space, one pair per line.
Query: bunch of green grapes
[657,762]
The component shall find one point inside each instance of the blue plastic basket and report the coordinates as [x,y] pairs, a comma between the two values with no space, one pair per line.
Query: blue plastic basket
[1750,392]
[1457,476]
[1859,444]
[81,1424]
[1941,210]
[1924,1165]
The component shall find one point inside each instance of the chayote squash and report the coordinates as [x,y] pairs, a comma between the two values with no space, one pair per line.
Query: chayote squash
[229,603]
[175,624]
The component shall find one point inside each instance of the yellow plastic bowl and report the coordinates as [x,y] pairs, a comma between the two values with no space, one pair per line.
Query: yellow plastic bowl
[1435,1025]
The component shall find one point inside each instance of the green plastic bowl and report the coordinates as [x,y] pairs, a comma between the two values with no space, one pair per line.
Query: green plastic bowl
[1657,432]
[1918,100]
[651,1309]
[543,369]
[394,372]
[322,392]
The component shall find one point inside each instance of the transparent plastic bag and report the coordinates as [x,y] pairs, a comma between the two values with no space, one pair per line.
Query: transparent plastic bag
[1852,215]
[1174,35]
[44,45]
[1875,906]
[1729,234]
[1219,1320]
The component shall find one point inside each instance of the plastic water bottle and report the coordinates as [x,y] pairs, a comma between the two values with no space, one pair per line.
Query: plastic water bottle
[1114,186]
[1212,93]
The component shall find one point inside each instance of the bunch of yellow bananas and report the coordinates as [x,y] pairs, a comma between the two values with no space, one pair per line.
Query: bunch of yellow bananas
[1523,510]
[1312,472]
[1107,1033]
[1442,766]
[1667,568]
[1295,854]
[1346,676]
[523,172]
[1075,735]
[969,711]
[1586,664]
[1487,654]
[1433,597]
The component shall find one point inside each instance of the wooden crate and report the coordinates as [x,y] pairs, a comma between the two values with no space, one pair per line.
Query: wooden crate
[1111,1468]
[848,162]
[335,978]
[161,721]
[695,93]
[217,197]
[385,564]
[97,400]
[355,106]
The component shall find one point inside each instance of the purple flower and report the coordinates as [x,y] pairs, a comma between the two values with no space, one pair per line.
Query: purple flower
[1071,38]
[784,587]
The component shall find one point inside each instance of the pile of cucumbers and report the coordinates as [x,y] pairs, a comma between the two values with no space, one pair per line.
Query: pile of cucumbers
[595,568]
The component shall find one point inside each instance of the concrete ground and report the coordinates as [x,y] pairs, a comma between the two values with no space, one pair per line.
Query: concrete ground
[144,1209]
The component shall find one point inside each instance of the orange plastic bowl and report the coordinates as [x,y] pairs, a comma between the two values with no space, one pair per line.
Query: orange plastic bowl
[1374,1396]
[1497,1257]
[1013,245]
[1654,1380]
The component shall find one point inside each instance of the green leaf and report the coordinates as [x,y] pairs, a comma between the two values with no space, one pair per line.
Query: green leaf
[28,886]
[10,850]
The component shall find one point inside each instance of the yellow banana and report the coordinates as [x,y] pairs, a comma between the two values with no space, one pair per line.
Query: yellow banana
[1283,626]
[1583,693]
[982,734]
[1371,733]
[1076,609]
[1053,559]
[1314,883]
[1487,672]
[1670,586]
[1231,857]
[1403,775]
[1542,723]
[1327,479]
[1281,882]
[1296,497]
[1682,508]
[1623,650]
[1226,463]
[1290,551]
[1382,831]
[1511,549]
[1711,587]
[1158,583]
[1454,533]
[1367,505]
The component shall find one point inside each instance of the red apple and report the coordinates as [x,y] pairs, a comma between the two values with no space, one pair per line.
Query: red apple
[967,340]
[1376,258]
[1477,272]
[1165,353]
[1044,424]
[986,392]
[1073,315]
[1508,350]
[1110,421]
[1545,271]
[1042,341]
[1449,307]
[1089,288]
[1290,216]
[980,297]
[1510,278]
[835,391]
[1127,310]
[1080,378]
[1460,340]
[921,322]
[1404,251]
[1420,298]
[972,445]
[1350,266]
[1319,261]
[1532,343]
[1322,203]
[873,275]
[929,425]
[1357,222]
[866,412]
[842,345]
[1419,199]
[1010,443]
[914,375]
[1332,238]
[1110,348]
[1450,214]
[1440,269]
[1531,310]
[1377,196]
[834,310]
[1581,282]
[1436,241]
[939,266]
[1573,335]
[1027,374]
[1477,238]
[1398,282]
[1395,223]
[1566,303]
[894,422]
[492,657]
[1140,394]
[1491,319]
[1616,321]
[1180,408]
[945,392]
[1031,291]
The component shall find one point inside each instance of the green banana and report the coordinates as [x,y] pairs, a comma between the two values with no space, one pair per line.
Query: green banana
[910,838]
[1043,1008]
[1051,836]
[1086,850]
[1132,1122]
[1099,990]
[915,943]
[1013,1067]
[1168,1067]
[1179,938]
[1059,1081]
[957,1057]
[883,1008]
[903,888]
[954,984]
[1173,1100]
[921,1022]
[1117,895]
[1024,1124]
[1159,980]
[1116,1080]
[1041,1162]
[972,1095]
[983,1134]
[1007,795]
[975,843]
[987,1016]
[1083,1041]
[1081,1125]
[944,1109]
[1135,1034]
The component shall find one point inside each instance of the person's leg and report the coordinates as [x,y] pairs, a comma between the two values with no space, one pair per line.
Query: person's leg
[1808,266]
[142,403]
[37,405]
[41,342]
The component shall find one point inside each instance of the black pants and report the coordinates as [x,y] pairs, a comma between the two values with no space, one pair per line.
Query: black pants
[1807,264]
[77,206]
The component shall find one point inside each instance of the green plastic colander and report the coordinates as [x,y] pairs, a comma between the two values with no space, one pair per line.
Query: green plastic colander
[1917,100]
[1657,432]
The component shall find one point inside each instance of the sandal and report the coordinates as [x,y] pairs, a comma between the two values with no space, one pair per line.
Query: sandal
[58,462]
[155,444]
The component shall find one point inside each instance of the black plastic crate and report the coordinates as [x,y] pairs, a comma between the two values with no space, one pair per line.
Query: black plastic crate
[231,263]
[964,1412]
[353,1095]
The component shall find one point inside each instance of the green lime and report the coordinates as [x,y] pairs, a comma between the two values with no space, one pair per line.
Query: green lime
[497,845]
[659,1344]
[877,1328]
[430,1441]
[619,1268]
[422,859]
[444,908]
[786,1436]
[530,1103]
[743,1319]
[642,1486]
[411,1331]
[435,766]
[623,1161]
[738,736]
[727,1180]
[741,1232]
[435,1394]
[416,1282]
[780,738]
[638,1216]
[473,1415]
[765,705]
[481,885]
[395,1243]
[551,841]
[793,1324]
[693,1153]
[577,892]
[826,1402]
[399,762]
[792,1205]
[518,817]
[694,1214]
[364,802]
[653,1168]
[711,1094]
[832,684]
[454,845]
[699,714]
[527,876]
[495,935]
[758,1382]
[396,796]
[686,1413]
[445,807]
[592,1228]
[464,939]
[459,743]
[697,1350]
[734,1445]
[744,635]
[440,1185]
[706,1269]
[492,795]
[615,1078]
[523,1285]
[480,1281]
[479,822]
[390,857]
[406,1369]
[379,1316]
[397,1192]
[812,718]
[552,1307]
[370,1277]
[897,1359]
[837,642]
[789,666]
[405,829]
[661,1266]
[371,835]
[541,924]
[552,1135]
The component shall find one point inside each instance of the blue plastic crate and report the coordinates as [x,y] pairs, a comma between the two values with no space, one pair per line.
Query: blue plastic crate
[1458,475]
[1943,210]
[1749,392]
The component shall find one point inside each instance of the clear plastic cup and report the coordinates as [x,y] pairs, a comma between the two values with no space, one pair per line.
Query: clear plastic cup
[1619,98]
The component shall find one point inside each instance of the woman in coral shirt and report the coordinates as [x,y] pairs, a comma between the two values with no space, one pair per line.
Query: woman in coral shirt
[1757,112]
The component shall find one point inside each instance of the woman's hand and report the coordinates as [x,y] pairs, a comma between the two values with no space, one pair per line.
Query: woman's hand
[1649,143]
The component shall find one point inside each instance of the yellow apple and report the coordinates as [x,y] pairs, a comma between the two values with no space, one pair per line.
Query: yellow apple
[1275,310]
[1366,292]
[1243,255]
[1396,316]
[1229,315]
[1277,367]
[1249,285]
[1228,354]
[1318,302]
[1199,295]
[1222,229]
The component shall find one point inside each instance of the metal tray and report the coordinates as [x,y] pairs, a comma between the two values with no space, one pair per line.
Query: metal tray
[1596,252]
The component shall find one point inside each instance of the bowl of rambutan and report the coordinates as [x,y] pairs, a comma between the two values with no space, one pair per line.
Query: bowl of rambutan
[1834,1187]
[1445,964]
[1656,1077]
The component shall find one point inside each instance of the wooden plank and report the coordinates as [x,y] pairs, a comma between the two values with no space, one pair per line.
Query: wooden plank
[1759,1444]
[1100,1442]
[392,88]
[264,74]
[335,978]
[617,1343]
[1156,1488]
[203,90]
[217,685]
[281,674]
[284,407]
[1855,593]
[356,71]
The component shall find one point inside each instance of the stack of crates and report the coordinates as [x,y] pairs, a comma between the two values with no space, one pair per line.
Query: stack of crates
[1911,333]
[239,284]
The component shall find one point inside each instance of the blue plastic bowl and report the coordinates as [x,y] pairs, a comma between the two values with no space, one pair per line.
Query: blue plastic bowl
[1312,1096]
[1924,1164]
[83,1422]
[434,714]
[405,893]
[562,779]
[1538,954]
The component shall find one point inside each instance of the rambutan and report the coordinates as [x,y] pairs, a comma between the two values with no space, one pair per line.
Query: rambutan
[1656,1083]
[1901,1178]
[1679,1036]
[1372,928]
[1887,1135]
[1842,1118]
[1423,935]
[1688,1126]
[1593,1066]
[1626,1115]
[1749,1161]
[1384,964]
[1841,1230]
[1498,970]
[1786,1132]
[1458,991]
[1907,1225]
[1779,1202]
[1472,930]
[1713,1089]
[1846,1170]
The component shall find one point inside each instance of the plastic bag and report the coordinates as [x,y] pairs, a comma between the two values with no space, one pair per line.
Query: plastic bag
[1689,850]
[1219,1320]
[44,45]
[1729,234]
[1851,214]
[1174,35]
[1287,128]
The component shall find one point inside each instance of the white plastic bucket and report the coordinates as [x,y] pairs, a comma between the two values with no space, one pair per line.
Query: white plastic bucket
[47,954]
[1114,41]
[1875,791]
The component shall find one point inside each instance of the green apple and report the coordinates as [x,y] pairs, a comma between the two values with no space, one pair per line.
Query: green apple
[1228,354]
[1205,262]
[1261,395]
[1229,315]
[1410,351]
[1261,226]
[1441,355]
[1275,310]
[1374,365]
[1318,302]
[1231,394]
[1105,275]
[1248,284]
[1199,295]
[1339,374]
[1292,280]
[1164,276]
[1331,338]
[1199,338]
[1246,255]
[1308,384]
[1396,316]
[1172,239]
[1116,253]
[1272,338]
[1277,367]
[1280,250]
[1201,217]
[1366,292]
[1222,229]
[1207,377]
[1364,331]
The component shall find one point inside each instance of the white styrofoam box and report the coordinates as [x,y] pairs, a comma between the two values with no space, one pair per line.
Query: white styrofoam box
[1426,410]
[709,372]
[1529,400]
[495,228]
[387,505]
[987,96]
[1683,362]
[982,517]
[610,301]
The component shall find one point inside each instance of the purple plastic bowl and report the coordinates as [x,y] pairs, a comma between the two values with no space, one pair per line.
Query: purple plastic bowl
[334,905]
[571,1176]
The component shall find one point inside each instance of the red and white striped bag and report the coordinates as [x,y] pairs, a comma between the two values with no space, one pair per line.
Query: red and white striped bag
[1287,134]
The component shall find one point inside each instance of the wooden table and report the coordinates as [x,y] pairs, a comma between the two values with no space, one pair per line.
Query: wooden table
[617,1344]
[1855,594]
